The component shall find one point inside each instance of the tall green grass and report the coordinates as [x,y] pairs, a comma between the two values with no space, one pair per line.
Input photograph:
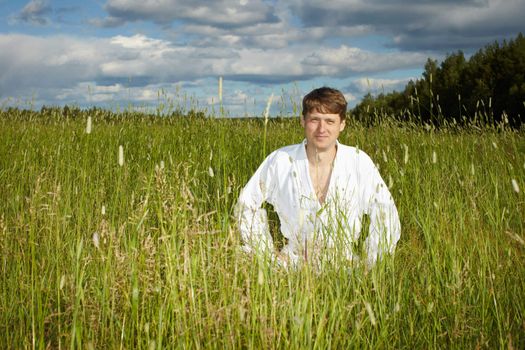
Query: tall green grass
[144,255]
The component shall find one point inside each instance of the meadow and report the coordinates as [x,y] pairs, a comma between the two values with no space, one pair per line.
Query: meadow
[124,237]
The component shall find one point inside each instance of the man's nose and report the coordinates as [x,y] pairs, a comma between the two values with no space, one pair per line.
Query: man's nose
[321,126]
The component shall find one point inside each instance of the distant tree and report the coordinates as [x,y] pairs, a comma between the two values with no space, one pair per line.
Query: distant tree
[448,85]
[487,88]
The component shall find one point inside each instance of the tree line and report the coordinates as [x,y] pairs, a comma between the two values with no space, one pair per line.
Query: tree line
[488,88]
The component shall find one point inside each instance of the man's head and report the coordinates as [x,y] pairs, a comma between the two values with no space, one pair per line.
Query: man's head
[324,112]
[325,100]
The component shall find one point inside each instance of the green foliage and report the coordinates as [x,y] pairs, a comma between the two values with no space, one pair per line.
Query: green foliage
[487,89]
[145,255]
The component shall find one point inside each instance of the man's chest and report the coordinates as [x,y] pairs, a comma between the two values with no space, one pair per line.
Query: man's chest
[320,180]
[299,185]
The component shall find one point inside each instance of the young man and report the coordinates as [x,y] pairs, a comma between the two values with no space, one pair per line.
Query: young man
[320,190]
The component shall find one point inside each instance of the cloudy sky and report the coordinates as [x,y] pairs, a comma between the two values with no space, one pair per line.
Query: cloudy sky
[143,53]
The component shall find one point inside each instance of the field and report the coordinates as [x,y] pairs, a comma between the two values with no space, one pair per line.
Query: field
[140,250]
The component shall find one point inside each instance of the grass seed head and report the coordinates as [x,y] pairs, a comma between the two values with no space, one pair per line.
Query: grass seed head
[242,313]
[430,307]
[88,125]
[515,186]
[370,313]
[260,277]
[267,110]
[434,157]
[96,240]
[120,155]
[220,89]
[210,172]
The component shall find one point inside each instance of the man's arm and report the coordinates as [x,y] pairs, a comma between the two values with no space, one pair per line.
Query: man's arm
[385,228]
[252,220]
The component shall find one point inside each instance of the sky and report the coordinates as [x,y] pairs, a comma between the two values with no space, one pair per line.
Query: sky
[166,54]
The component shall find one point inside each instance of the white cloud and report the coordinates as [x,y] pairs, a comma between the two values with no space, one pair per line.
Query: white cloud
[147,96]
[440,25]
[238,97]
[61,69]
[276,35]
[374,85]
[221,13]
[235,98]
[34,12]
[91,92]
[59,61]
[344,60]
[350,97]
[107,22]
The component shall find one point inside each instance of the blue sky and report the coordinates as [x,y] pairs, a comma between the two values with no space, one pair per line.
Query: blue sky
[121,53]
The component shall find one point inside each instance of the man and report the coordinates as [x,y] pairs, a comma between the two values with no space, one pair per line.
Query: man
[320,190]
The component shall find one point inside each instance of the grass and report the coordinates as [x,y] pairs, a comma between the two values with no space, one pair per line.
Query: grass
[144,255]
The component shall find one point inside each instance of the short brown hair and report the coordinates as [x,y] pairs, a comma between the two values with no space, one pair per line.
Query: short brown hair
[325,100]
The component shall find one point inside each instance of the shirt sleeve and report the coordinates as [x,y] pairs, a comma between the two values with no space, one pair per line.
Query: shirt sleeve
[252,220]
[385,228]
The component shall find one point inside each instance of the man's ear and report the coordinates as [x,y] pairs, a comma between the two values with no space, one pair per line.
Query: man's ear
[301,119]
[342,126]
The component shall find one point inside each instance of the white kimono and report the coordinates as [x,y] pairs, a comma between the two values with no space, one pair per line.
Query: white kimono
[312,229]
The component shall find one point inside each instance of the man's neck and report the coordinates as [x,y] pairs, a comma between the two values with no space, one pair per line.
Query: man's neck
[321,158]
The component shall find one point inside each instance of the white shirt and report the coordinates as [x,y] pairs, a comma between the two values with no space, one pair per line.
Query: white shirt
[313,230]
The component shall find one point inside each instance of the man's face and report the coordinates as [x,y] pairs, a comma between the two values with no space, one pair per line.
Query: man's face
[322,130]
